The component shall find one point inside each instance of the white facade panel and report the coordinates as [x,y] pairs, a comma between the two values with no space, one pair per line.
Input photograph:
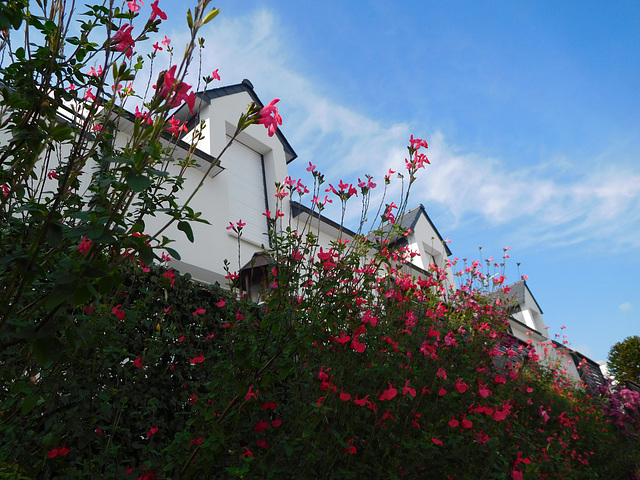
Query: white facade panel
[245,181]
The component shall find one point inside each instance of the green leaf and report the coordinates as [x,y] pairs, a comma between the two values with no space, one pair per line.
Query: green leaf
[138,183]
[173,253]
[210,16]
[29,403]
[189,19]
[186,228]
[54,234]
[46,349]
[81,295]
[288,449]
[61,132]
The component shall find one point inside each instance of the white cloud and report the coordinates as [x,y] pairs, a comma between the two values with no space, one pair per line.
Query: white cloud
[625,307]
[599,204]
[560,203]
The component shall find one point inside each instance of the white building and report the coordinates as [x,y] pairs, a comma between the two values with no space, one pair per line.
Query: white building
[243,188]
[527,325]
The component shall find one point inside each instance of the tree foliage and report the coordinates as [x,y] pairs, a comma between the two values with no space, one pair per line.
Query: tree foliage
[624,360]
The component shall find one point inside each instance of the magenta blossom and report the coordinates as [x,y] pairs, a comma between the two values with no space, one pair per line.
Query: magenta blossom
[84,245]
[133,6]
[124,40]
[156,12]
[270,118]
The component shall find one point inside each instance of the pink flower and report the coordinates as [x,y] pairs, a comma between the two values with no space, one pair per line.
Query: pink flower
[57,451]
[199,311]
[247,453]
[249,394]
[357,346]
[409,390]
[345,397]
[52,175]
[352,450]
[500,415]
[484,391]
[99,431]
[344,338]
[543,413]
[156,12]
[499,379]
[361,402]
[174,94]
[166,42]
[171,276]
[133,6]
[417,143]
[270,118]
[156,47]
[89,95]
[262,425]
[466,423]
[198,359]
[118,313]
[151,431]
[453,423]
[124,40]
[175,127]
[436,441]
[389,393]
[461,386]
[215,75]
[221,303]
[83,248]
[196,441]
[95,73]
[138,362]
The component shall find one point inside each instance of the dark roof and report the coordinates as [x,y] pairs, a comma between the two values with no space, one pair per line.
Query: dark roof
[68,115]
[410,219]
[589,372]
[184,114]
[298,208]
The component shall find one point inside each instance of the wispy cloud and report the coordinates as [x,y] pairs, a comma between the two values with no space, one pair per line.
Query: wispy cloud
[625,307]
[602,204]
[561,203]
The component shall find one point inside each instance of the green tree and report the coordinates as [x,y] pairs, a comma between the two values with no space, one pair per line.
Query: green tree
[624,359]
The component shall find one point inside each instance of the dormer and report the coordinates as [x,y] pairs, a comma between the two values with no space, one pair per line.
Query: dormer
[424,239]
[241,188]
[526,311]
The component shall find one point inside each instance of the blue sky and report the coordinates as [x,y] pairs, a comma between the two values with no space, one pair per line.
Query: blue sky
[531,111]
